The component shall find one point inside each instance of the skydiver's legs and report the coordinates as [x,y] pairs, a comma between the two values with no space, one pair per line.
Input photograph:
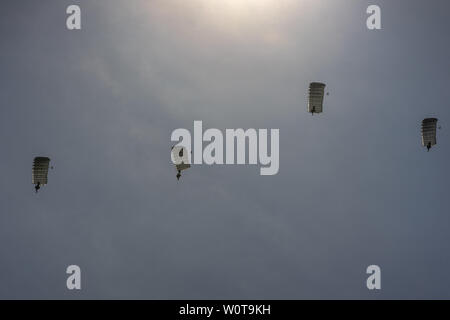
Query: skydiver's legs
[178,174]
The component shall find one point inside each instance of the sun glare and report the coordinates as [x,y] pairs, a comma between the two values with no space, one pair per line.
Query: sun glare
[239,15]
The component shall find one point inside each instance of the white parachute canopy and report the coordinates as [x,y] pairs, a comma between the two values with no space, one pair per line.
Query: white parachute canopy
[315,99]
[429,132]
[180,158]
[40,170]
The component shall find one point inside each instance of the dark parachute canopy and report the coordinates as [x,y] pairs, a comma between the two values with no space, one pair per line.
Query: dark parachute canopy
[315,99]
[429,132]
[40,172]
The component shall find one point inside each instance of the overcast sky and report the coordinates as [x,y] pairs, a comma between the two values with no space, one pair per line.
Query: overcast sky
[355,186]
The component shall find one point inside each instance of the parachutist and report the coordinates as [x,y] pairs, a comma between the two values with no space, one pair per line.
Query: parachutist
[40,172]
[180,159]
[315,98]
[429,132]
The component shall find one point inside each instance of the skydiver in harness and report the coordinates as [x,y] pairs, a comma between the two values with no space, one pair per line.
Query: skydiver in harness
[180,154]
[313,110]
[37,187]
[429,146]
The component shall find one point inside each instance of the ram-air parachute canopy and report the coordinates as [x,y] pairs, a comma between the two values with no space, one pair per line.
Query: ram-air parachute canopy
[40,172]
[180,158]
[315,99]
[429,132]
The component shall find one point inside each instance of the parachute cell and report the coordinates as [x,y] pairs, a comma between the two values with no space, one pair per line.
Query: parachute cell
[315,99]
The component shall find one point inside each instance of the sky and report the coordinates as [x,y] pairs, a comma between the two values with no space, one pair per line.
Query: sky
[355,186]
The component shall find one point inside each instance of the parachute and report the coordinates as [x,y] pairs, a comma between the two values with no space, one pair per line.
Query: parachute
[429,132]
[315,100]
[180,158]
[40,172]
